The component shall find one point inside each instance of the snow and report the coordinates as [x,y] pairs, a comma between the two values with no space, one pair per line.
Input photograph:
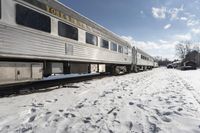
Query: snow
[64,76]
[161,100]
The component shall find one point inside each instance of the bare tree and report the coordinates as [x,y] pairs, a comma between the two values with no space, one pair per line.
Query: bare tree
[183,48]
[162,61]
[180,51]
[196,48]
[188,51]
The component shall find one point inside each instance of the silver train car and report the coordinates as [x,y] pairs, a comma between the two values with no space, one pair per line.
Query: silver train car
[143,60]
[39,38]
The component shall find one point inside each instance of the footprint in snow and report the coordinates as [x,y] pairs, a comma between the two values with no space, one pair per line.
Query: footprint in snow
[5,128]
[152,126]
[55,100]
[160,99]
[69,115]
[180,109]
[80,105]
[60,110]
[47,113]
[164,115]
[173,96]
[95,102]
[110,131]
[141,106]
[167,113]
[33,110]
[32,118]
[119,97]
[168,102]
[177,113]
[87,120]
[37,105]
[129,124]
[115,114]
[48,101]
[131,103]
[24,129]
[57,118]
[166,119]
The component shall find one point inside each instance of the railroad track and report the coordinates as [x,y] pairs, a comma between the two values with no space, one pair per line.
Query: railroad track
[44,85]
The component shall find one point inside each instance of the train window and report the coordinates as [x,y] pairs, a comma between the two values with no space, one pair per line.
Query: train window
[113,47]
[144,57]
[32,19]
[67,31]
[91,39]
[104,44]
[120,49]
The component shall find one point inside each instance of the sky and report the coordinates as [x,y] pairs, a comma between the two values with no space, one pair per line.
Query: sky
[155,26]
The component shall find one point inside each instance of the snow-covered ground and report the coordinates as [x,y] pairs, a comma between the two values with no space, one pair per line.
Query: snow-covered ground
[160,100]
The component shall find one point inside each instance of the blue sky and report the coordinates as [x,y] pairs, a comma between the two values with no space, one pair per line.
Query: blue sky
[153,25]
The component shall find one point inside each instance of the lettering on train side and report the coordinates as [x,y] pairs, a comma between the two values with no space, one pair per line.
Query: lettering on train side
[68,18]
[59,14]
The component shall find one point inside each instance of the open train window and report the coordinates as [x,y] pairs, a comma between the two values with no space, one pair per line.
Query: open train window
[91,39]
[113,47]
[32,19]
[104,44]
[67,31]
[120,49]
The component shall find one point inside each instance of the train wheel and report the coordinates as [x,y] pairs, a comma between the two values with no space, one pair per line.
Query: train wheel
[135,69]
[117,70]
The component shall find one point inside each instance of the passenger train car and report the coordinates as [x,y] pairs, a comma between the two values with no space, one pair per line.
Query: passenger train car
[39,38]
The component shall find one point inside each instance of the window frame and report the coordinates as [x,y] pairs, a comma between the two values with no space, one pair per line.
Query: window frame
[104,40]
[111,46]
[32,26]
[121,49]
[66,24]
[87,33]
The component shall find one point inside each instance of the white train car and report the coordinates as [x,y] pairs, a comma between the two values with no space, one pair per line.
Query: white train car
[41,37]
[143,60]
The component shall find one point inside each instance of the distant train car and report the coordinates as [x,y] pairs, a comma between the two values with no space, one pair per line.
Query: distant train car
[39,38]
[143,60]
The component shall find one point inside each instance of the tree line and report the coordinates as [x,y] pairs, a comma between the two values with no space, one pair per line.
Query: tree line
[185,51]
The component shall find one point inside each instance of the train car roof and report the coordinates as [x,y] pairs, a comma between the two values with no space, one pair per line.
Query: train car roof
[144,53]
[63,8]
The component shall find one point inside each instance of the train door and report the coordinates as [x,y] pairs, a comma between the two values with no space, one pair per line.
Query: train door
[37,72]
[93,68]
[7,72]
[23,71]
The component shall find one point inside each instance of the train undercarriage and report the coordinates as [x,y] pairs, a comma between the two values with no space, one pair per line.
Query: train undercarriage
[30,70]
